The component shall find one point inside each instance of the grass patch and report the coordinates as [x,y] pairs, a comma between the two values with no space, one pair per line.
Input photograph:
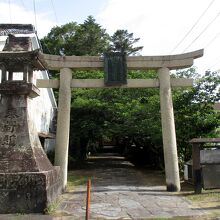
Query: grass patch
[205,196]
[208,200]
[75,179]
[52,207]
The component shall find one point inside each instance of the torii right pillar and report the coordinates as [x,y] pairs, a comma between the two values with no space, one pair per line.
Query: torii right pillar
[168,131]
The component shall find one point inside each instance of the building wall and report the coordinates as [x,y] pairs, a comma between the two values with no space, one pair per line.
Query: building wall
[44,106]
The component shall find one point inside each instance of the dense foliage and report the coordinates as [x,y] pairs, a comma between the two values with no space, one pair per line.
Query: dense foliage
[88,38]
[130,117]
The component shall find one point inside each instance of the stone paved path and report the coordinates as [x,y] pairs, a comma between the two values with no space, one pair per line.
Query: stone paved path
[119,191]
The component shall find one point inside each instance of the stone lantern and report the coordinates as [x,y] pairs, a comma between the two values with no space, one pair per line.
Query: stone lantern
[28,181]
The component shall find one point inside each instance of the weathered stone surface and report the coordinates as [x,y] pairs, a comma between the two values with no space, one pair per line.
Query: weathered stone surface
[28,191]
[28,181]
[19,88]
[211,176]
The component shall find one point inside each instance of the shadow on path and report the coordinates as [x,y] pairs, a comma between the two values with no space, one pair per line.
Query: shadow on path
[113,170]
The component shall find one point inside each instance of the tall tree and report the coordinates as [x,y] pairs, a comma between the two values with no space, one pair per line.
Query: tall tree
[88,38]
[122,41]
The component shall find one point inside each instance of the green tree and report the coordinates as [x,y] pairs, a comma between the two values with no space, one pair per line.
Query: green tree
[133,115]
[88,38]
[122,41]
[194,113]
[59,38]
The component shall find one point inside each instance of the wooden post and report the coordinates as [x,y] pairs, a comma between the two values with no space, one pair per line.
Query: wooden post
[88,199]
[63,123]
[169,133]
[197,173]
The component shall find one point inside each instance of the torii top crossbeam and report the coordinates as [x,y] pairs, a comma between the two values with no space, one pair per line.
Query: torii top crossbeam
[54,62]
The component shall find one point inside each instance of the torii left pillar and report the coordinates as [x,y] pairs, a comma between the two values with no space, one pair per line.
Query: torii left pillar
[63,123]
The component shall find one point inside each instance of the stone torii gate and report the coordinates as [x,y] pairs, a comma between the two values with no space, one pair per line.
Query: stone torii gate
[65,64]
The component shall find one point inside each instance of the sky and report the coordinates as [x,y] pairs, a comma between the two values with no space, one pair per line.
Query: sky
[165,27]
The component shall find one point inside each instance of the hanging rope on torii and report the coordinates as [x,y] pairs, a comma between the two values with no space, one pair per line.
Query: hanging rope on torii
[161,63]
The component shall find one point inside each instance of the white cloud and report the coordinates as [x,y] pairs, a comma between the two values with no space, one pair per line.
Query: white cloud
[162,24]
[21,15]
